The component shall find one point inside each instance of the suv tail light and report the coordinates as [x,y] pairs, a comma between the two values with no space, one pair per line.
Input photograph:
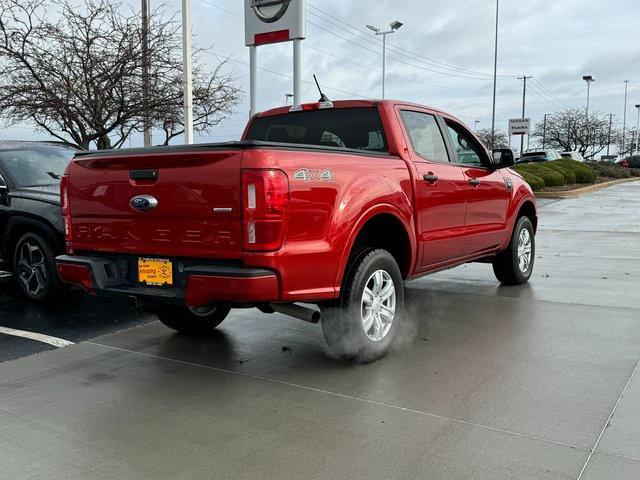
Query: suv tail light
[265,209]
[66,212]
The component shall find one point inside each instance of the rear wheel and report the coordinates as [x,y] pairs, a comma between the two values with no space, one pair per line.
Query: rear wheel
[515,265]
[193,320]
[363,325]
[35,269]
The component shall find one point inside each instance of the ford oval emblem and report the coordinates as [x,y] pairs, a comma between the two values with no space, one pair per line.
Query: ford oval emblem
[143,203]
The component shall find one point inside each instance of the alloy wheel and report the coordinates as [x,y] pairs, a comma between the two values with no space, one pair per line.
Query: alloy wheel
[378,306]
[524,250]
[32,271]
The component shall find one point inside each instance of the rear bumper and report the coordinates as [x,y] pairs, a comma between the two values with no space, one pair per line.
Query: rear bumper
[194,285]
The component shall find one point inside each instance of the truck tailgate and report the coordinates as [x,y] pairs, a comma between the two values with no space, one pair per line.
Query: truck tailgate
[197,214]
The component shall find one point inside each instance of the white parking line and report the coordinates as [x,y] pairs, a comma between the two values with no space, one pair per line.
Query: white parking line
[38,337]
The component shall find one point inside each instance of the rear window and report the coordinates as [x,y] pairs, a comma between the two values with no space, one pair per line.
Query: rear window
[35,165]
[357,128]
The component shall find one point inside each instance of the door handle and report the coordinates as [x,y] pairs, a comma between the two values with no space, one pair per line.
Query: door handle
[431,178]
[474,181]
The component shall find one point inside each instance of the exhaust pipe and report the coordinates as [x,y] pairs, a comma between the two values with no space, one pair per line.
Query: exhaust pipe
[305,314]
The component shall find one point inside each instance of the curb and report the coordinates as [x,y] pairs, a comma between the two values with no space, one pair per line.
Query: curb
[584,190]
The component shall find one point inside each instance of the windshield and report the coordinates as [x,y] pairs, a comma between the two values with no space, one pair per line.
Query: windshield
[33,165]
[358,128]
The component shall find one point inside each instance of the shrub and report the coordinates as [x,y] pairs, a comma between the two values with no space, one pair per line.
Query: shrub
[584,173]
[635,172]
[534,181]
[550,177]
[608,169]
[569,175]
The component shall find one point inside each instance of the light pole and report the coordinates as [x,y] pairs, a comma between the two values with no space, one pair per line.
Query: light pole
[187,72]
[588,79]
[394,26]
[609,134]
[624,116]
[637,128]
[145,73]
[287,96]
[495,78]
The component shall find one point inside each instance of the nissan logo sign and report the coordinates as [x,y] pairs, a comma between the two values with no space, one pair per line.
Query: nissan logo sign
[270,11]
[142,203]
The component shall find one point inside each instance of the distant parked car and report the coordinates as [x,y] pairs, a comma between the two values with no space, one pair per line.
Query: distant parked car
[31,226]
[623,162]
[539,156]
[572,156]
[633,161]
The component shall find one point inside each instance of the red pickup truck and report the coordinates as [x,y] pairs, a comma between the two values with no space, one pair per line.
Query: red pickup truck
[332,205]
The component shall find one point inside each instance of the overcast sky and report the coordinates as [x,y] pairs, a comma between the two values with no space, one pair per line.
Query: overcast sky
[442,56]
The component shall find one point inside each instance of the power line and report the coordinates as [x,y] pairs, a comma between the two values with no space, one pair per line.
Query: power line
[219,57]
[209,2]
[354,30]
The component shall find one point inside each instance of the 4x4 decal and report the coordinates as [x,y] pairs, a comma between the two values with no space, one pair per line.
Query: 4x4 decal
[310,175]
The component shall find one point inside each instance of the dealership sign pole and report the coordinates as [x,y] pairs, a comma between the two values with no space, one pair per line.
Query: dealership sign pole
[274,21]
[519,126]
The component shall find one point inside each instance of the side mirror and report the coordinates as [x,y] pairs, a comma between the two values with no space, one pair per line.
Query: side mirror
[502,158]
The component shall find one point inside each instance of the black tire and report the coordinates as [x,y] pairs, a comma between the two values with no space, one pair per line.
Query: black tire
[506,265]
[35,268]
[343,323]
[192,321]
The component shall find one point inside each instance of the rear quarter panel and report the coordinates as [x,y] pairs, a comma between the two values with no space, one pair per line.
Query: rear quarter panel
[331,195]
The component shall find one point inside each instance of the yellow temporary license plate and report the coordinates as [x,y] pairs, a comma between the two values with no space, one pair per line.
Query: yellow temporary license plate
[155,271]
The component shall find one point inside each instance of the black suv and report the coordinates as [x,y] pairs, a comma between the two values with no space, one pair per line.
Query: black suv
[31,226]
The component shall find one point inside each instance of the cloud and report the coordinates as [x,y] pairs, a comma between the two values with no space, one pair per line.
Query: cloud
[432,57]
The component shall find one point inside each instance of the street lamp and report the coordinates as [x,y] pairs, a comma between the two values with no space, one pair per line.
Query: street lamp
[588,79]
[394,26]
[287,96]
[476,125]
[637,128]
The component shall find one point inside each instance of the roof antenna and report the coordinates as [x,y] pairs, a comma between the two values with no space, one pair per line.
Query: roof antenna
[323,97]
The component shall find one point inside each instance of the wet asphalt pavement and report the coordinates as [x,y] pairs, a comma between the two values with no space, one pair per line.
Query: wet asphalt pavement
[532,382]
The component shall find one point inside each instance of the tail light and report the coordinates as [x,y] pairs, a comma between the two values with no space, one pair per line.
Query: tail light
[266,209]
[66,213]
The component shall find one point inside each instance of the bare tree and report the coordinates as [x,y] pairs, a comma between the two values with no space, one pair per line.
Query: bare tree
[501,140]
[569,131]
[629,143]
[79,77]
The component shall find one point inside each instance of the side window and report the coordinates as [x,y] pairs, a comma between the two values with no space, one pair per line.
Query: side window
[467,148]
[425,135]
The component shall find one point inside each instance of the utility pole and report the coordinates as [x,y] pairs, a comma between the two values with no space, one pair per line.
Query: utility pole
[544,131]
[609,135]
[495,77]
[187,72]
[145,73]
[624,117]
[524,100]
[394,26]
[637,128]
[588,79]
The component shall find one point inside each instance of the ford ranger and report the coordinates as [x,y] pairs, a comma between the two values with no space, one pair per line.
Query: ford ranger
[332,205]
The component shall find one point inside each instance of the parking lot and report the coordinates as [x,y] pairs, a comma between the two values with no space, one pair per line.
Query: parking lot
[536,382]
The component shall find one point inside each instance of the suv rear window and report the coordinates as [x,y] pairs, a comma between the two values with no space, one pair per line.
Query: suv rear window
[357,128]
